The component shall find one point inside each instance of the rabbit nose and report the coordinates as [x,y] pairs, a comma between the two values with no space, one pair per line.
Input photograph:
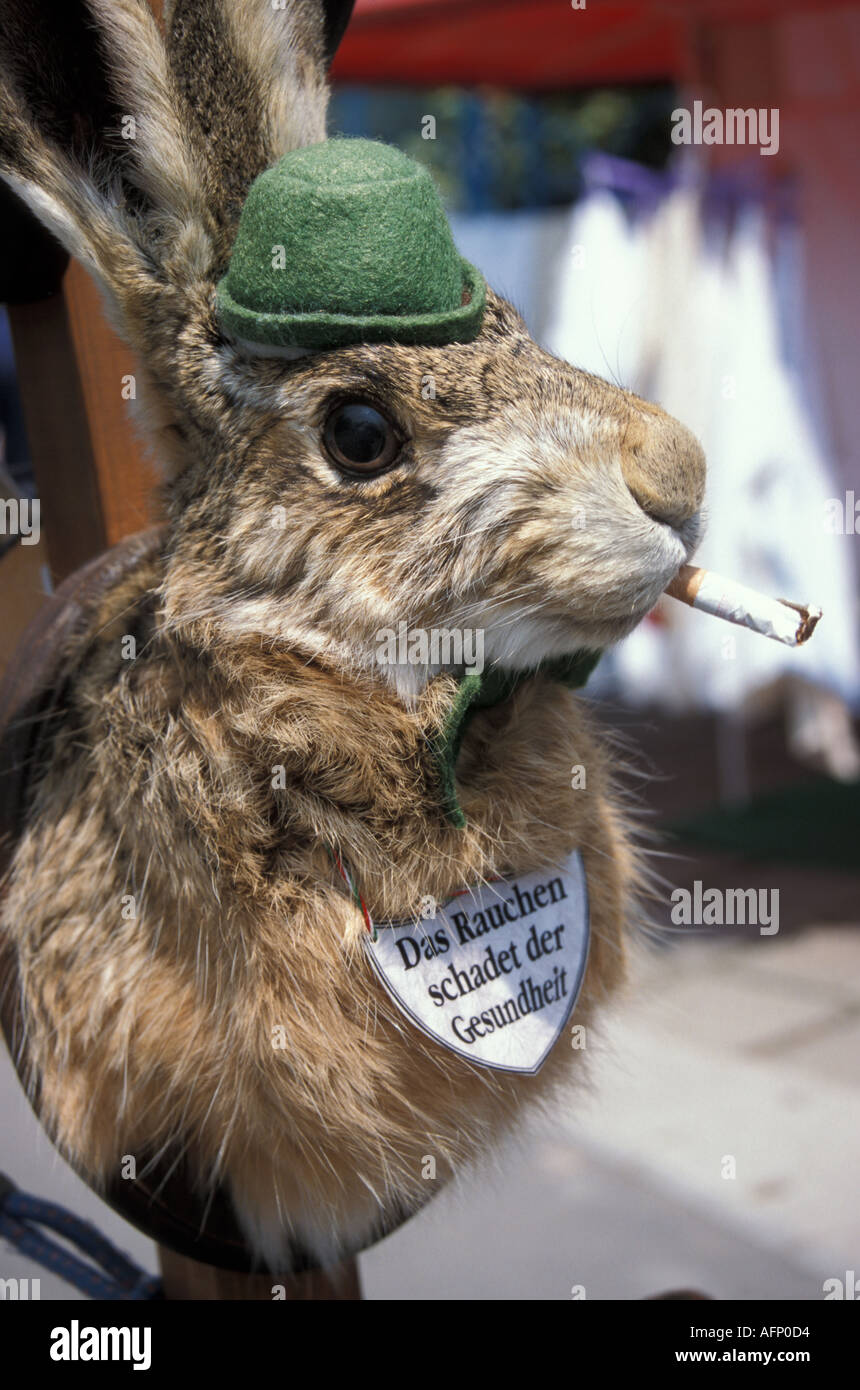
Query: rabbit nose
[664,467]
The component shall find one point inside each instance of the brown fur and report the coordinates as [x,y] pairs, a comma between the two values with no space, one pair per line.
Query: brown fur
[255,649]
[160,787]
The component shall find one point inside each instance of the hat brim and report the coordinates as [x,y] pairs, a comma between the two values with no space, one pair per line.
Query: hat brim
[318,331]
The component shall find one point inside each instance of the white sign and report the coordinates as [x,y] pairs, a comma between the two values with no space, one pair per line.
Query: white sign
[495,974]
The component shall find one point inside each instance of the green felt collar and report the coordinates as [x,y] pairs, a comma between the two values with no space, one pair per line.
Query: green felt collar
[490,688]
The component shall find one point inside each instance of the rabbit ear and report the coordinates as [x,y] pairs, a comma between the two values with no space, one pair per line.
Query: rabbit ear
[138,152]
[93,138]
[253,74]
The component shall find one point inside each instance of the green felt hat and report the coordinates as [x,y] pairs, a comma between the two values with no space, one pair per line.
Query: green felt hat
[347,242]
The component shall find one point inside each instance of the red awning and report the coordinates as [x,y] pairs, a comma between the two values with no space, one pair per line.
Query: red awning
[536,44]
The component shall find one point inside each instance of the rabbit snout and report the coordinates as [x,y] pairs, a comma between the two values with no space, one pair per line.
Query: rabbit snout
[663,465]
[596,497]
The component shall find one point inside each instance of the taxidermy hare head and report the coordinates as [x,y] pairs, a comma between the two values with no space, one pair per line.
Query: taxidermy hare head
[227,730]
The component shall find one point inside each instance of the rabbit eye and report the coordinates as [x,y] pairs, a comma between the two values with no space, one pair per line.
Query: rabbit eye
[359,439]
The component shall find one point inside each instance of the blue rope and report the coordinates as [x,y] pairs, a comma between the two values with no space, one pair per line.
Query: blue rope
[120,1278]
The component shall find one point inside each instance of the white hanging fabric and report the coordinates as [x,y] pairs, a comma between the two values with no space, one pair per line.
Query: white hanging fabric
[595,315]
[514,250]
[712,357]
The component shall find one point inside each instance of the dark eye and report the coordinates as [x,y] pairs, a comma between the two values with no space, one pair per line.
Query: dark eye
[359,439]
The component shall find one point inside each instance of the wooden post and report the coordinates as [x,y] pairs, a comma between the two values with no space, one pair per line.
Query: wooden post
[93,480]
[186,1279]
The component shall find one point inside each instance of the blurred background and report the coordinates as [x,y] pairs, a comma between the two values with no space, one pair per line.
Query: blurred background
[718,1144]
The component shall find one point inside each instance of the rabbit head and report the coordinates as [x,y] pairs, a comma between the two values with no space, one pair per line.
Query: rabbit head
[514,495]
[510,492]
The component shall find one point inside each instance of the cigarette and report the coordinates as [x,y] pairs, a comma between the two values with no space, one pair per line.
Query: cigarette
[791,623]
